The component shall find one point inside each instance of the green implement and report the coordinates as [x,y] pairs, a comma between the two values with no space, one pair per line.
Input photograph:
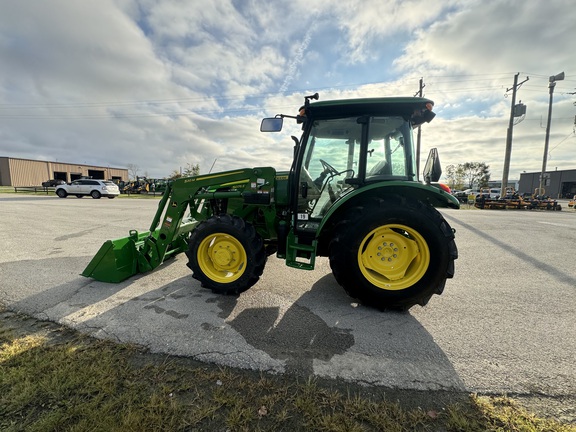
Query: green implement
[114,262]
[119,259]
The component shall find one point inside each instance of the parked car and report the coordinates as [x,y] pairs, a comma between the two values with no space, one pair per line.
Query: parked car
[53,183]
[495,193]
[88,187]
[461,195]
[492,193]
[472,191]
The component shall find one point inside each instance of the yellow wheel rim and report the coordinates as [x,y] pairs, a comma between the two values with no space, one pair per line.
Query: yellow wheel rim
[222,258]
[393,257]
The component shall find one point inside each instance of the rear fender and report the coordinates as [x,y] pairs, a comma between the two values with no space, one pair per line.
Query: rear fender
[432,195]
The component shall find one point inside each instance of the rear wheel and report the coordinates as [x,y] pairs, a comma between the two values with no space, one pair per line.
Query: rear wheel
[393,253]
[226,254]
[61,193]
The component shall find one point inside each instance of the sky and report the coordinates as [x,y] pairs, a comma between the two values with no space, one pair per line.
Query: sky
[162,85]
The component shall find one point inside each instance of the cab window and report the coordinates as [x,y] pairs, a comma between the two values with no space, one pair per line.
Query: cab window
[389,149]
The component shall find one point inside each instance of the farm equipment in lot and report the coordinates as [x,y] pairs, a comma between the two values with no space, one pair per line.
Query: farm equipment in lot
[135,187]
[514,201]
[143,185]
[351,194]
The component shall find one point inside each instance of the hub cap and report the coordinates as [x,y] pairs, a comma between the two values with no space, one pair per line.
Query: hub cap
[222,258]
[393,257]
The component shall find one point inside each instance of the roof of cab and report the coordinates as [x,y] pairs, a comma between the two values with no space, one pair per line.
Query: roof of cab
[382,105]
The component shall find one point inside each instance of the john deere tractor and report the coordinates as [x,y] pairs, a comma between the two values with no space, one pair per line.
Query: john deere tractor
[351,195]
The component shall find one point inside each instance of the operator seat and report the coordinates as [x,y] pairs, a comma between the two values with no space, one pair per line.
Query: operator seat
[381,168]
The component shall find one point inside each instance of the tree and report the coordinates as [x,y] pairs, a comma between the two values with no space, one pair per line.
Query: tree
[174,175]
[455,176]
[133,171]
[476,173]
[189,171]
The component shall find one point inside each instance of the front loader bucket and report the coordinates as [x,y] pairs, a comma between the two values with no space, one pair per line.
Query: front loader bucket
[119,259]
[115,261]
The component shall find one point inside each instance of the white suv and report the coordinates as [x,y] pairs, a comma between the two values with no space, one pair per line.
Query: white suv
[84,187]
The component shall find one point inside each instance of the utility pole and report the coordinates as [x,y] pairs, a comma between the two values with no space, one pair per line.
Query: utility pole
[419,93]
[509,132]
[551,84]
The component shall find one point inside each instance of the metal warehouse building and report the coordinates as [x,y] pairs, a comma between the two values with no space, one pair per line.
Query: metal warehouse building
[26,172]
[556,184]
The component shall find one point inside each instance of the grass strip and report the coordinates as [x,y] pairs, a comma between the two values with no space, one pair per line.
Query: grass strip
[54,379]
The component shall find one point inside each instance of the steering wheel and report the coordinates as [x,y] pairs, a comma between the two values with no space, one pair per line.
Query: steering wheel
[328,168]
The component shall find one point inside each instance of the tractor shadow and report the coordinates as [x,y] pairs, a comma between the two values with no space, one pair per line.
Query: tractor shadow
[325,332]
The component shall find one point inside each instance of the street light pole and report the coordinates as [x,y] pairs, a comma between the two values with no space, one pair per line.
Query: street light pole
[551,85]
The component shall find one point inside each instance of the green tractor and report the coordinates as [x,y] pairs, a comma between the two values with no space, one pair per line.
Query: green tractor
[351,195]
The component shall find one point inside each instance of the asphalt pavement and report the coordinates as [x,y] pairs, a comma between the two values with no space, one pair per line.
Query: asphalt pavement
[505,323]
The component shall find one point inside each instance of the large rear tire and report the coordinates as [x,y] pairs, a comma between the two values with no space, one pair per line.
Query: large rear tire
[393,253]
[226,254]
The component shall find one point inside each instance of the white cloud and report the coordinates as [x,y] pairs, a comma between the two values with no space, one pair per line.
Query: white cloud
[496,36]
[368,23]
[164,84]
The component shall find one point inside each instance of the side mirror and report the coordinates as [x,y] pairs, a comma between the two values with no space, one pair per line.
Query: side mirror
[271,124]
[432,169]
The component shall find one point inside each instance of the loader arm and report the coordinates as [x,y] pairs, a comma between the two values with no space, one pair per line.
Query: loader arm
[122,258]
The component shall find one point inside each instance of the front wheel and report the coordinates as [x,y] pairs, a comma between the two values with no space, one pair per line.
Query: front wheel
[226,254]
[95,194]
[393,253]
[61,193]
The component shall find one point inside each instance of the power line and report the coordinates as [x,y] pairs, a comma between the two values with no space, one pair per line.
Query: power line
[220,98]
[434,86]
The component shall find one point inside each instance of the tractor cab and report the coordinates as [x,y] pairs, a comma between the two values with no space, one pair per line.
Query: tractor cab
[348,145]
[339,155]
